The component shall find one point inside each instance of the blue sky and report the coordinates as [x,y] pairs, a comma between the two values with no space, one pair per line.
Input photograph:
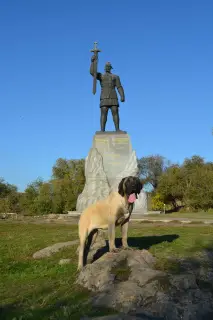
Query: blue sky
[162,51]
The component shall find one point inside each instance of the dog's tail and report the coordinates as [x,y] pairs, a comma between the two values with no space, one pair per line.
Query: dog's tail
[83,233]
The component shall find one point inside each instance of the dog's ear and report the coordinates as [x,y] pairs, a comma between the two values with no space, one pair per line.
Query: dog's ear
[139,186]
[121,187]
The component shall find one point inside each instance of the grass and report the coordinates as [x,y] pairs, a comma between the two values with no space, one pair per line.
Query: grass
[43,289]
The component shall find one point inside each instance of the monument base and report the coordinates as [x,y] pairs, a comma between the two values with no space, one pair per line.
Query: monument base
[110,159]
[110,132]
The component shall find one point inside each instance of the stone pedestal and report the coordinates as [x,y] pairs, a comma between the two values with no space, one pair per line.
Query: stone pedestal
[110,159]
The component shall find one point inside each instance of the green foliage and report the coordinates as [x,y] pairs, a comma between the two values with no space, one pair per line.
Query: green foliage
[190,184]
[151,168]
[199,192]
[9,198]
[43,201]
[58,195]
[29,199]
[171,185]
[157,202]
[68,182]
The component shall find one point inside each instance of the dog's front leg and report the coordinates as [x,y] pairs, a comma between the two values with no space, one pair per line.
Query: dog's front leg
[124,230]
[111,236]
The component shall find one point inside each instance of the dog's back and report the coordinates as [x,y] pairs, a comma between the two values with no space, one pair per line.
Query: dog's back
[94,216]
[98,215]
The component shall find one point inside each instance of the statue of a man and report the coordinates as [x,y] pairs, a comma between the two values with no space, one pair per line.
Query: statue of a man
[108,98]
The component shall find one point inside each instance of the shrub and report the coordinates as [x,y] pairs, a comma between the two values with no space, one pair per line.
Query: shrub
[157,202]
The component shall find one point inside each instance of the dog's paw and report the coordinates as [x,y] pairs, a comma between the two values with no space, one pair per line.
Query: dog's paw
[127,248]
[79,269]
[115,250]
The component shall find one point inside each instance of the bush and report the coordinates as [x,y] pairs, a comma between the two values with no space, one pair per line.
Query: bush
[157,202]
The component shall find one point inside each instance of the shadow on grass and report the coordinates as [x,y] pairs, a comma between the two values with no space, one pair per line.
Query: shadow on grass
[137,243]
[64,309]
[199,262]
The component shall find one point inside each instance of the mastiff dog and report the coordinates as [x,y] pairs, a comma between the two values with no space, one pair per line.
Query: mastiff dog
[109,213]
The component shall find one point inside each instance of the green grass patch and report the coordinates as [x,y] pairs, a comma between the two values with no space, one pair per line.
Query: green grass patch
[43,289]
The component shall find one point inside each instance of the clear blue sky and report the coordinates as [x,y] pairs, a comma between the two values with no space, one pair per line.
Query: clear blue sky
[162,50]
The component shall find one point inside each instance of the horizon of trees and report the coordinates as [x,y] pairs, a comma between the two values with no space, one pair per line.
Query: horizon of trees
[188,186]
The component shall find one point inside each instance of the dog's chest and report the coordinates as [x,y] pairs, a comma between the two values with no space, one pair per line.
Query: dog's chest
[122,214]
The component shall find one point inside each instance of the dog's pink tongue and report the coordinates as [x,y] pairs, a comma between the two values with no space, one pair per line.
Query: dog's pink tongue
[132,198]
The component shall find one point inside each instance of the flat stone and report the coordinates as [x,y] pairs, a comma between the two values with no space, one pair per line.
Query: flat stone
[48,251]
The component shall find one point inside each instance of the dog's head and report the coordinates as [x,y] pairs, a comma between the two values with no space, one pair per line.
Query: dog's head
[130,187]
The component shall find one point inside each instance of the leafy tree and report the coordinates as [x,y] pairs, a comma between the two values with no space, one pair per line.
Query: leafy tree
[72,169]
[189,184]
[6,188]
[9,197]
[29,199]
[199,192]
[171,185]
[59,197]
[44,199]
[190,166]
[151,168]
[68,182]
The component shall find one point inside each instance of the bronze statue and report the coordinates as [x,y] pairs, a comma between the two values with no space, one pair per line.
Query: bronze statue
[108,98]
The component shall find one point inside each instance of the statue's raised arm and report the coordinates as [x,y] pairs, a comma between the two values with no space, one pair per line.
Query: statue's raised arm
[93,66]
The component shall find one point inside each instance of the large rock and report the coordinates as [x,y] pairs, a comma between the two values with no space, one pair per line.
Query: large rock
[110,159]
[128,282]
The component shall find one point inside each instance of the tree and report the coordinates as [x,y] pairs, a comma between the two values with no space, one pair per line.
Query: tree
[171,185]
[9,197]
[72,169]
[44,199]
[29,199]
[151,168]
[190,184]
[199,192]
[190,166]
[68,182]
[6,188]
